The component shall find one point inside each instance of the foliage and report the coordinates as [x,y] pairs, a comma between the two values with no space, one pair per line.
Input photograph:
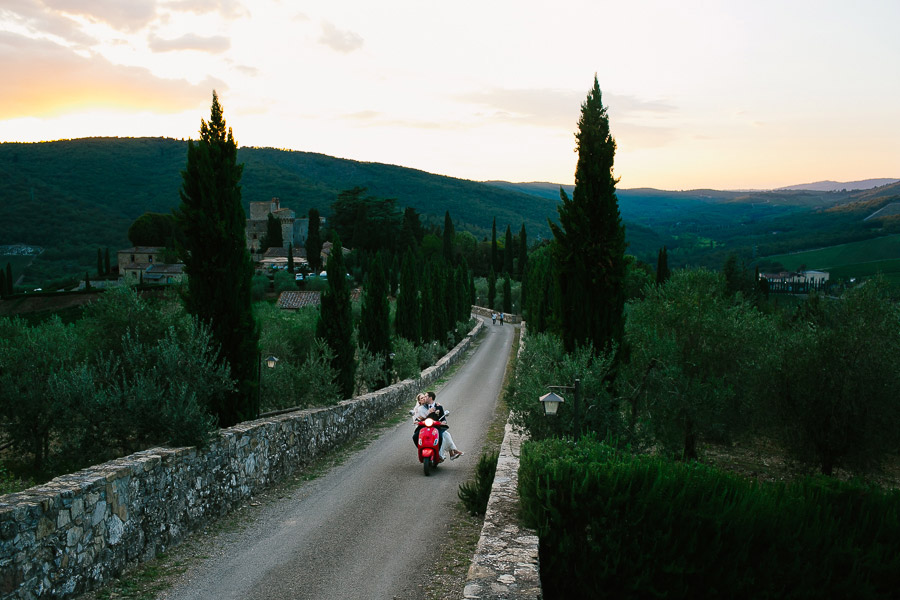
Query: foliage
[259,287]
[590,239]
[638,275]
[406,359]
[320,378]
[614,525]
[155,393]
[31,361]
[492,290]
[375,326]
[409,309]
[835,393]
[154,229]
[365,222]
[335,324]
[284,282]
[542,306]
[476,493]
[216,257]
[543,363]
[662,266]
[507,294]
[698,358]
[370,371]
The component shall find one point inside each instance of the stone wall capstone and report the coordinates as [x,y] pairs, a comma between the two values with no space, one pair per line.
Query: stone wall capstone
[79,530]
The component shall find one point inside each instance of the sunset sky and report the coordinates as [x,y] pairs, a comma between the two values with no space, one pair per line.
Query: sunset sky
[727,94]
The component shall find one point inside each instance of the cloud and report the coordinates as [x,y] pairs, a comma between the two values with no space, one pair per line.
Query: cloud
[131,15]
[340,41]
[371,118]
[557,108]
[35,17]
[212,44]
[230,9]
[42,78]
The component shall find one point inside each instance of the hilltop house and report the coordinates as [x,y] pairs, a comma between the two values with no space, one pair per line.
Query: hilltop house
[146,263]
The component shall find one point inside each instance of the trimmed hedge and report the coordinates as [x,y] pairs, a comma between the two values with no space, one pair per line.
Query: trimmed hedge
[614,525]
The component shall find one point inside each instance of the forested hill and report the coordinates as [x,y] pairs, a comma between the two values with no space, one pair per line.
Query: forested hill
[74,196]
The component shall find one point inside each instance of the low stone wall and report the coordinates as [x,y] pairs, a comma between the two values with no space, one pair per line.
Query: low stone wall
[506,564]
[77,531]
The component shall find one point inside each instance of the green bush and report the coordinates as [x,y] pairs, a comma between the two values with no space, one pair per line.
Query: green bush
[476,493]
[613,525]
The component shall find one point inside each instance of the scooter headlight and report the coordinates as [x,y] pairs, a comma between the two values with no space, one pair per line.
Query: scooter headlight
[429,422]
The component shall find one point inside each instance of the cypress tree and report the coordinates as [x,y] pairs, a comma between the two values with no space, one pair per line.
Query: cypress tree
[375,318]
[314,242]
[662,266]
[335,324]
[523,253]
[449,234]
[217,262]
[507,294]
[590,239]
[492,290]
[472,292]
[106,268]
[407,320]
[99,262]
[290,258]
[495,264]
[508,252]
[430,329]
[395,275]
[273,237]
[87,280]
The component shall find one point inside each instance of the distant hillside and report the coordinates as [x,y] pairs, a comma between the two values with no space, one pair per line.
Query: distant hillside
[836,186]
[72,197]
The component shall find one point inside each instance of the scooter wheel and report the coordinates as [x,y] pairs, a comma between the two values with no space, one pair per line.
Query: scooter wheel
[426,464]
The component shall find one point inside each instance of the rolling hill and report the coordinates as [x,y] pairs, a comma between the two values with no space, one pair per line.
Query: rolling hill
[72,197]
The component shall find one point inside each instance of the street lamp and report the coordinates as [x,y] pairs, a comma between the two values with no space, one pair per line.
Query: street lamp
[270,362]
[551,400]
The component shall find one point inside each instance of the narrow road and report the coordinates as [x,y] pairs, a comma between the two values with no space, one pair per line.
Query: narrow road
[361,530]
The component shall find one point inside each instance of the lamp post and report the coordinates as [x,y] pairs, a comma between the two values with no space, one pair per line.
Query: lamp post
[270,362]
[551,401]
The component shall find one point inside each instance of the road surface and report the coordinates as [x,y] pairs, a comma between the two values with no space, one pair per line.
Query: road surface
[360,530]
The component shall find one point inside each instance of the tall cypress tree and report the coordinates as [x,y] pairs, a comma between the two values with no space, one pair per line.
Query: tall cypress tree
[394,279]
[335,324]
[590,239]
[449,235]
[492,290]
[375,318]
[409,314]
[523,253]
[314,242]
[273,237]
[290,258]
[217,262]
[495,264]
[106,261]
[507,294]
[508,252]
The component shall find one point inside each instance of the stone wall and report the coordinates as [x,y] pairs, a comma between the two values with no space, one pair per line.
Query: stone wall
[77,531]
[506,564]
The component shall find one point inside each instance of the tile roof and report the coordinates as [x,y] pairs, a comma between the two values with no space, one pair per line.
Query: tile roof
[298,299]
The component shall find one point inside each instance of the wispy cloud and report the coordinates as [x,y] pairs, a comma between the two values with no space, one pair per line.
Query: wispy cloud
[54,80]
[230,9]
[33,16]
[556,108]
[340,40]
[131,15]
[212,44]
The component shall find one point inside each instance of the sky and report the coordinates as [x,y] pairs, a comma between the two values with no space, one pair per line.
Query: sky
[727,94]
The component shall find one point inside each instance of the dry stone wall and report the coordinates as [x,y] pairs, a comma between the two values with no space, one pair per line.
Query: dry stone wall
[77,531]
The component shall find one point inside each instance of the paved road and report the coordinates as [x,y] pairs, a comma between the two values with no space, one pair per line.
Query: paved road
[351,533]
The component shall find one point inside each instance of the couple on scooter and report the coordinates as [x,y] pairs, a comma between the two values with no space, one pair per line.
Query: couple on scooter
[427,406]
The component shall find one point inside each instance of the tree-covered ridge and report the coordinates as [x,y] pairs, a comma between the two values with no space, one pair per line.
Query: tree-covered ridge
[73,196]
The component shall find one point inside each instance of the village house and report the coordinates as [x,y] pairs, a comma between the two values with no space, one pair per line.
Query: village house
[293,230]
[146,263]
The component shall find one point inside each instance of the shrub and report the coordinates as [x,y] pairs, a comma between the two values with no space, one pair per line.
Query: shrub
[406,359]
[621,526]
[476,493]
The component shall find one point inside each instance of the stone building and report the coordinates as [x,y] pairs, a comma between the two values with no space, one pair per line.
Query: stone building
[293,230]
[147,263]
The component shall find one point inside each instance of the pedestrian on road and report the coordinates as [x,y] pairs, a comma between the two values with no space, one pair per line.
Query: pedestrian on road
[493,318]
[501,318]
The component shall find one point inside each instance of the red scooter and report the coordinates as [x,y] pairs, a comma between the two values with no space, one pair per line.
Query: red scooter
[428,441]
